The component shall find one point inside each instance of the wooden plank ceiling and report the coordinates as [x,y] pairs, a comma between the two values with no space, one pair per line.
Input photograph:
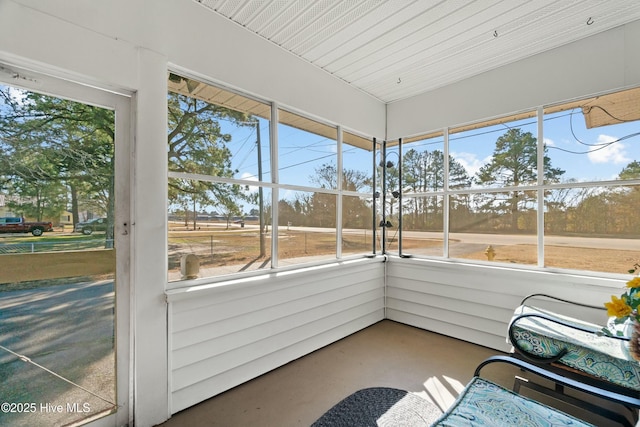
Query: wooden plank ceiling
[395,49]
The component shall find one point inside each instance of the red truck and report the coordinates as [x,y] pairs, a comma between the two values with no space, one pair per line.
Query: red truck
[12,224]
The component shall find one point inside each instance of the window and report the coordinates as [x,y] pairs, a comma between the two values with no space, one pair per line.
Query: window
[486,161]
[592,219]
[307,229]
[307,204]
[218,149]
[234,206]
[357,190]
[567,198]
[423,200]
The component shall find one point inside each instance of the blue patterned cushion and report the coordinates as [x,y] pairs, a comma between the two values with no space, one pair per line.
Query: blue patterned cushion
[483,403]
[592,353]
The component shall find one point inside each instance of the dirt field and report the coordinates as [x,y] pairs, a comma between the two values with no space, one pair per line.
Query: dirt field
[603,260]
[233,247]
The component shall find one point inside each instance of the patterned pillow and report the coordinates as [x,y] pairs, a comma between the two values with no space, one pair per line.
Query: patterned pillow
[590,352]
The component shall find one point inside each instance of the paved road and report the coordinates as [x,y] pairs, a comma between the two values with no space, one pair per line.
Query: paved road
[458,238]
[67,329]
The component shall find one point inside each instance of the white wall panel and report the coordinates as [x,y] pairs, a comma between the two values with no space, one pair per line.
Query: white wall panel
[223,336]
[34,38]
[242,373]
[457,330]
[475,302]
[269,321]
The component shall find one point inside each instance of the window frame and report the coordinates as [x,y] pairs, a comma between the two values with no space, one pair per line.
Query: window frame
[276,187]
[540,187]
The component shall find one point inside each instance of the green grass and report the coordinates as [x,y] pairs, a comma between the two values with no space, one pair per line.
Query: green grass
[50,243]
[48,238]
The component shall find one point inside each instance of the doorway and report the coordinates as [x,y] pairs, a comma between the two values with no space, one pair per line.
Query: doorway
[64,283]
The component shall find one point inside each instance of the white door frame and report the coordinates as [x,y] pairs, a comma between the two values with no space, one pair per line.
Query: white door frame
[121,103]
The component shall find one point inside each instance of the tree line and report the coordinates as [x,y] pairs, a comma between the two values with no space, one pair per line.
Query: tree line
[514,163]
[57,155]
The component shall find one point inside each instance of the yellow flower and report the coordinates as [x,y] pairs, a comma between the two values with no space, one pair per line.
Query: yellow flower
[617,307]
[634,283]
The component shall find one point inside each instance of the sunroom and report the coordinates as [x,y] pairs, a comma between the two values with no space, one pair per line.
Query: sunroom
[272,177]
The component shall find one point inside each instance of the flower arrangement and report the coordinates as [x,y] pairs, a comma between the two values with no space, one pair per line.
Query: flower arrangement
[626,307]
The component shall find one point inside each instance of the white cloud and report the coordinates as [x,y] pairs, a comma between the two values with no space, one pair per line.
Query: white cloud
[613,153]
[549,142]
[250,177]
[470,162]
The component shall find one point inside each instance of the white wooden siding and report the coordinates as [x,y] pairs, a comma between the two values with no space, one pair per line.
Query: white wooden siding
[225,335]
[475,302]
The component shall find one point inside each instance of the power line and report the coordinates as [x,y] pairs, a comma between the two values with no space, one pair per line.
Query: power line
[600,145]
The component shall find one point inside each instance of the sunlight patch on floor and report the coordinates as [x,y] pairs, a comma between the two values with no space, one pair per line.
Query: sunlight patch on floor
[441,393]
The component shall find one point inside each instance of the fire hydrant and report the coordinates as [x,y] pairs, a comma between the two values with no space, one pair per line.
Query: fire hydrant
[490,253]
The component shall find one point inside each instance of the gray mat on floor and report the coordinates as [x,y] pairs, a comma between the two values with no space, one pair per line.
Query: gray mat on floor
[380,406]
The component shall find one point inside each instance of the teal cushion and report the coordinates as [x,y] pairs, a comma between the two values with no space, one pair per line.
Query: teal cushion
[483,403]
[590,352]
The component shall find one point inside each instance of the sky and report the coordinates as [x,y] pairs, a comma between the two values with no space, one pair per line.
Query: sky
[591,154]
[584,154]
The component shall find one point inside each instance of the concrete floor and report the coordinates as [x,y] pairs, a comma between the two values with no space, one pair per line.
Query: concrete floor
[387,354]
